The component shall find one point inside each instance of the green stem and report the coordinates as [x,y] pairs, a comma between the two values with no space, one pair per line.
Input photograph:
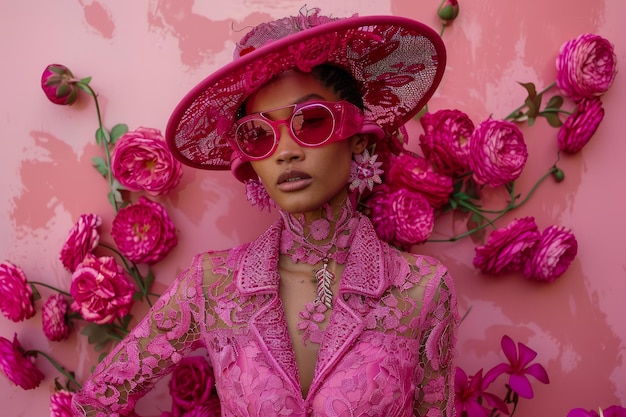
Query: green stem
[105,142]
[56,365]
[51,287]
[514,113]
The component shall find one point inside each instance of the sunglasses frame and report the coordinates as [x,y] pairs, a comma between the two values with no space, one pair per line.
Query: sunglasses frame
[347,120]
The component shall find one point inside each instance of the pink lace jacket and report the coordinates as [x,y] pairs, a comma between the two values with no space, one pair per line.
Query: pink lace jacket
[388,349]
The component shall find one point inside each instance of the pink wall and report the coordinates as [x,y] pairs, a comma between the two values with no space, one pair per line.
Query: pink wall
[144,55]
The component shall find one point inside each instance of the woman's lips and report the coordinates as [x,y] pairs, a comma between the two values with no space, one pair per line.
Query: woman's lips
[293,181]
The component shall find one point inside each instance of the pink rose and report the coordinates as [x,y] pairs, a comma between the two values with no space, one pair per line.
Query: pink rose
[581,125]
[54,318]
[507,249]
[415,173]
[445,141]
[141,160]
[586,66]
[16,295]
[143,232]
[83,239]
[402,217]
[17,365]
[101,290]
[191,385]
[555,251]
[59,84]
[498,153]
[61,404]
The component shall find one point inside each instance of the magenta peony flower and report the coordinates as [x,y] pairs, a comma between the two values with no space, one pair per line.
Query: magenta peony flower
[17,365]
[143,232]
[586,66]
[191,385]
[415,173]
[83,239]
[61,404]
[518,368]
[141,161]
[581,125]
[59,84]
[101,290]
[507,249]
[16,295]
[498,153]
[54,318]
[555,251]
[445,141]
[469,395]
[402,217]
[611,411]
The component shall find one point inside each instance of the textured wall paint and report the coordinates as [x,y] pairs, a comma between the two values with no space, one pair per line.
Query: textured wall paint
[144,55]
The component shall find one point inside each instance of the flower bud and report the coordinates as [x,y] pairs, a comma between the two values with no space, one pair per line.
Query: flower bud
[448,11]
[558,174]
[58,82]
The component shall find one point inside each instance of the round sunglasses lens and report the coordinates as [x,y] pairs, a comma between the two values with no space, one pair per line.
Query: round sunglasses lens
[313,125]
[255,138]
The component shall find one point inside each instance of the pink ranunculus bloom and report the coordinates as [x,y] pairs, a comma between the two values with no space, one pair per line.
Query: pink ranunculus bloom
[555,251]
[611,411]
[54,318]
[16,295]
[410,217]
[586,66]
[141,161]
[83,239]
[143,232]
[415,173]
[17,365]
[101,290]
[380,211]
[470,393]
[518,367]
[445,141]
[498,153]
[191,385]
[61,404]
[581,125]
[507,249]
[59,84]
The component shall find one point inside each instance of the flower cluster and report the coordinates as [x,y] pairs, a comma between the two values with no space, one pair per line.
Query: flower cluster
[460,161]
[471,396]
[102,286]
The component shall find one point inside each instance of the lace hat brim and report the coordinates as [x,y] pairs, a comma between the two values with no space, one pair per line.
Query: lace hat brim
[398,63]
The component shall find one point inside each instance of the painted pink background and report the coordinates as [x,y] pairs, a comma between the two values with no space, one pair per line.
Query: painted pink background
[144,55]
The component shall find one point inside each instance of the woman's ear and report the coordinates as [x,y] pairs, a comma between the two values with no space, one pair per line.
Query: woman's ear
[359,143]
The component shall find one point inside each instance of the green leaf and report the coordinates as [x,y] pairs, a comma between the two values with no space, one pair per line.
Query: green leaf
[96,333]
[118,131]
[149,280]
[36,294]
[85,80]
[101,166]
[555,102]
[530,88]
[100,136]
[84,87]
[531,121]
[553,119]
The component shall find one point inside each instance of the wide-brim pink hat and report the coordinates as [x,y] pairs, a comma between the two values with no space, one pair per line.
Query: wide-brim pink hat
[397,62]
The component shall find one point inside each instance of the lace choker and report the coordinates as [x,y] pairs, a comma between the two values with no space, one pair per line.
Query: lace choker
[320,240]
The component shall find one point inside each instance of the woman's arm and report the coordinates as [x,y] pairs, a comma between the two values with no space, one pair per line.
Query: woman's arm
[172,328]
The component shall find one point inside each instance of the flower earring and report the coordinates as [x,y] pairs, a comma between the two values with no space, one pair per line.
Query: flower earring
[257,195]
[365,171]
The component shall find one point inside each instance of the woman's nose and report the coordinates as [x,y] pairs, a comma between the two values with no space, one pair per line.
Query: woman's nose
[288,149]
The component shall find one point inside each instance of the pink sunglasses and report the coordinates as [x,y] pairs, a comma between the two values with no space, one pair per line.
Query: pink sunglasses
[313,123]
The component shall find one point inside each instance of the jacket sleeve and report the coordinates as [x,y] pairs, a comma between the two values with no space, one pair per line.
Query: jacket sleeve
[439,321]
[172,328]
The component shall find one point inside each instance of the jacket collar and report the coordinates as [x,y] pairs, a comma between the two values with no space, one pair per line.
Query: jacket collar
[364,273]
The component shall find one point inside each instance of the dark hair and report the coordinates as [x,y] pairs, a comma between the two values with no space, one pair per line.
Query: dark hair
[341,82]
[337,79]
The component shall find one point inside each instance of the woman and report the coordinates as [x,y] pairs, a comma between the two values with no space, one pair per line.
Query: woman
[317,316]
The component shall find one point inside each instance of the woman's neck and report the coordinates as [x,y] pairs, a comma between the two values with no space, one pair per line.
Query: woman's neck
[323,233]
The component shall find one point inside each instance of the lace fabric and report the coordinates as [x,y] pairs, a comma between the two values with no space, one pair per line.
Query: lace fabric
[388,349]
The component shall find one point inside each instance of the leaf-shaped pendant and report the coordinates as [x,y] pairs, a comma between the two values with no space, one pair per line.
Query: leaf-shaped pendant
[324,279]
